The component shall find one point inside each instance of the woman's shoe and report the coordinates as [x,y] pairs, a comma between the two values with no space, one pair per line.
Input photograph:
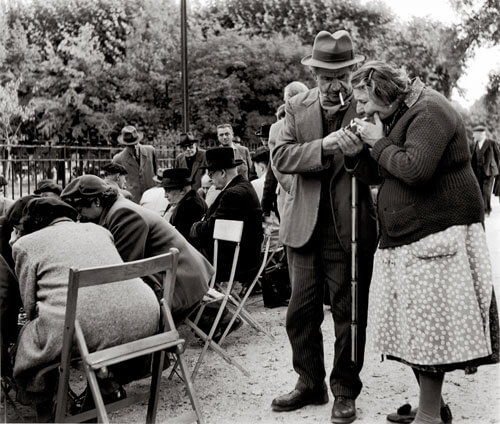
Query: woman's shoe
[405,414]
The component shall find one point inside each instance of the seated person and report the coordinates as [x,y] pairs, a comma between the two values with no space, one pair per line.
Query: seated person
[44,249]
[154,198]
[140,233]
[236,201]
[116,176]
[185,206]
[48,188]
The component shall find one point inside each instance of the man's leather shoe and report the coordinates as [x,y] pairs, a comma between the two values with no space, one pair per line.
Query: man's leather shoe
[299,398]
[344,410]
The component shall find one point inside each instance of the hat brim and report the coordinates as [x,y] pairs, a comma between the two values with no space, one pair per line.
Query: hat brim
[309,61]
[237,162]
[177,185]
[140,136]
[186,143]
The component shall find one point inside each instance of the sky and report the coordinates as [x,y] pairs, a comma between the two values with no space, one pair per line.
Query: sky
[474,81]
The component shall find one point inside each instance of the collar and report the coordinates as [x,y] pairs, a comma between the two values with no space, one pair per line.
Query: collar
[417,87]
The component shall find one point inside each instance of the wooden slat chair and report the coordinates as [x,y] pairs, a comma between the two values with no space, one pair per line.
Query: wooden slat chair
[167,339]
[224,230]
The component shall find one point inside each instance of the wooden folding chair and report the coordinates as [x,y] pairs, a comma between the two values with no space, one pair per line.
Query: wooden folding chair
[167,339]
[231,231]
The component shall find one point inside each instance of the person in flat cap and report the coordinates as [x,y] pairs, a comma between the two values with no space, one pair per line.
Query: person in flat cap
[48,188]
[52,243]
[237,201]
[191,157]
[139,160]
[185,206]
[260,160]
[316,229]
[485,162]
[5,202]
[141,233]
[115,175]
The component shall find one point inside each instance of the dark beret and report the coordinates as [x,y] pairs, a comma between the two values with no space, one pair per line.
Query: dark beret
[114,168]
[15,212]
[45,186]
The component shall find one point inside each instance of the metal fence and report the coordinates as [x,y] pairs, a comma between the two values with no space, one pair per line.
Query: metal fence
[24,165]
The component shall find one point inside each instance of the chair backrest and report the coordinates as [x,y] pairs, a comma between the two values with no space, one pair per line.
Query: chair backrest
[227,230]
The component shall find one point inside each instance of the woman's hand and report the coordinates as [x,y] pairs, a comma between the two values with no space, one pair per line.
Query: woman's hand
[349,143]
[370,133]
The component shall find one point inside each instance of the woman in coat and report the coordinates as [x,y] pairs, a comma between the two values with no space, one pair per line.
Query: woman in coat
[50,243]
[432,304]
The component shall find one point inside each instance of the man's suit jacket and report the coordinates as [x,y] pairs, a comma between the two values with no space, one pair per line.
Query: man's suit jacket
[238,201]
[196,171]
[141,233]
[484,160]
[189,210]
[299,152]
[139,174]
[243,153]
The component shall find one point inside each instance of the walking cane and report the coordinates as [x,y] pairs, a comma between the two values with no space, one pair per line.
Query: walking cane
[354,270]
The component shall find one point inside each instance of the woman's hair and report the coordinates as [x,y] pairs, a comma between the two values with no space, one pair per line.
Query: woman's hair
[385,83]
[40,212]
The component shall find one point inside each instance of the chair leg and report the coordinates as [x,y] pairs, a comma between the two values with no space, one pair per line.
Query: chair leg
[102,415]
[157,370]
[190,389]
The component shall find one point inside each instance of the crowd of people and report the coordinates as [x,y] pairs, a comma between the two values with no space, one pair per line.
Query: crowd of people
[424,296]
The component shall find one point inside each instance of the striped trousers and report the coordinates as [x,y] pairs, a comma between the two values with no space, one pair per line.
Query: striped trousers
[323,260]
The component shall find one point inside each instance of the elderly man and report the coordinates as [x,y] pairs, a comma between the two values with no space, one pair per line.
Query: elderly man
[316,229]
[140,233]
[237,201]
[225,135]
[192,158]
[138,160]
[485,162]
[185,206]
[116,176]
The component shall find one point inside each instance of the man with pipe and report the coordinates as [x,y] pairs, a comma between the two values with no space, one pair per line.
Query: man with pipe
[316,229]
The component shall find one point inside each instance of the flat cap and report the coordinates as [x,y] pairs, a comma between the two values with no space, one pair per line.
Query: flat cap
[114,168]
[85,186]
[45,186]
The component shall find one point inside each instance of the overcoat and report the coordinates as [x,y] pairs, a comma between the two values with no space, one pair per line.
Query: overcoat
[189,210]
[196,170]
[109,314]
[141,233]
[139,174]
[298,151]
[237,201]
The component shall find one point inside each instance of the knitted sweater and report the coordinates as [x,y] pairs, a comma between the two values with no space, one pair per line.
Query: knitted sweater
[424,163]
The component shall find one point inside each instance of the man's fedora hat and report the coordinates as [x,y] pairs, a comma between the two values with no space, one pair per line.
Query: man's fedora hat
[114,168]
[332,51]
[479,128]
[220,158]
[186,139]
[263,131]
[176,178]
[130,136]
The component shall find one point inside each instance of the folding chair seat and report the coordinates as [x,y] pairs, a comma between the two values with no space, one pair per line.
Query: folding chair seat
[166,340]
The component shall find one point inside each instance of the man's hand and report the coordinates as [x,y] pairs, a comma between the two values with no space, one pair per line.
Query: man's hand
[370,133]
[330,143]
[350,143]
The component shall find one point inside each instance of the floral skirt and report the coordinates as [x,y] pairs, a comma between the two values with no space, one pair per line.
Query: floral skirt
[432,303]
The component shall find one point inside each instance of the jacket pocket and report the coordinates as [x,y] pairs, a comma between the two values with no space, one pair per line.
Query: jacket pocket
[439,245]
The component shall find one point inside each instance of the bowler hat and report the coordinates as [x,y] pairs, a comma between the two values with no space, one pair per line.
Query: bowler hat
[261,154]
[47,186]
[85,186]
[130,136]
[479,128]
[176,178]
[332,51]
[114,168]
[3,181]
[186,139]
[263,131]
[220,158]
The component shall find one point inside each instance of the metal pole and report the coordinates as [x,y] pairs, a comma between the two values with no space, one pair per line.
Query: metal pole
[354,270]
[185,104]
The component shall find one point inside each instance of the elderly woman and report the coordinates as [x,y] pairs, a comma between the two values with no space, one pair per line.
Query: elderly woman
[44,249]
[432,304]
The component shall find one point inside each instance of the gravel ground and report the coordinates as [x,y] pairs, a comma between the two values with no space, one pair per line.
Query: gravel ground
[227,396]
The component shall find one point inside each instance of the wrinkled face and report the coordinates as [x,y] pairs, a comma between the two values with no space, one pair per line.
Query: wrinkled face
[189,149]
[368,106]
[173,195]
[225,136]
[332,83]
[218,177]
[89,210]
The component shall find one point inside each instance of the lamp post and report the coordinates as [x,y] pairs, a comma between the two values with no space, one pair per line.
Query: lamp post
[185,100]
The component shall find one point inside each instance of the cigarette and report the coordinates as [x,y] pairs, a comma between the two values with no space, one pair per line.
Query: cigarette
[341,99]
